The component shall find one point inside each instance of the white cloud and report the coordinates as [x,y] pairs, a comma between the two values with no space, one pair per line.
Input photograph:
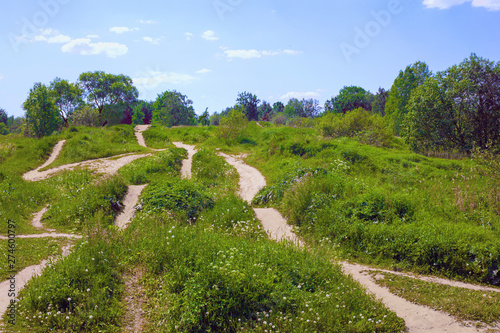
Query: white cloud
[154,41]
[84,46]
[188,35]
[300,95]
[1,76]
[92,36]
[153,79]
[51,36]
[147,22]
[121,30]
[209,35]
[445,4]
[204,71]
[255,54]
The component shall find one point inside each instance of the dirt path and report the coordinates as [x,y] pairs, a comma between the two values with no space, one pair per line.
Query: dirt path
[431,279]
[130,202]
[108,165]
[134,298]
[45,235]
[22,277]
[188,162]
[418,318]
[138,134]
[251,180]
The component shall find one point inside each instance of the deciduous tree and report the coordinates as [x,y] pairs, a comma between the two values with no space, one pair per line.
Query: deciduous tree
[457,109]
[42,115]
[350,98]
[173,109]
[67,97]
[407,80]
[249,102]
[102,89]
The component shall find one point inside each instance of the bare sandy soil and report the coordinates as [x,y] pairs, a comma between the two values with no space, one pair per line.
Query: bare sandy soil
[188,162]
[108,165]
[275,226]
[129,202]
[134,300]
[138,134]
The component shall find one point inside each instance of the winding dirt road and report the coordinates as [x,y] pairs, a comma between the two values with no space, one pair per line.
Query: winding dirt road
[188,162]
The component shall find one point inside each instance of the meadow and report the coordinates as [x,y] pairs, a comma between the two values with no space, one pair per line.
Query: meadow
[208,265]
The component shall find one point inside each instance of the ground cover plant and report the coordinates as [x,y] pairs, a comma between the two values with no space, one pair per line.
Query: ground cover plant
[465,304]
[77,294]
[29,251]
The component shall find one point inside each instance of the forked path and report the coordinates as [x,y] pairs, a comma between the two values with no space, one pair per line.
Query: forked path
[418,318]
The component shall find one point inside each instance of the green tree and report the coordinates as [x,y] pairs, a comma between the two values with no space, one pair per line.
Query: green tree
[379,101]
[85,116]
[265,111]
[457,109]
[173,109]
[204,119]
[310,108]
[42,115]
[101,90]
[3,116]
[278,107]
[294,108]
[142,112]
[350,98]
[232,127]
[249,103]
[67,97]
[3,129]
[407,80]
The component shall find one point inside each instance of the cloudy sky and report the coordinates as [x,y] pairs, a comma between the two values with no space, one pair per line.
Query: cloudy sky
[212,49]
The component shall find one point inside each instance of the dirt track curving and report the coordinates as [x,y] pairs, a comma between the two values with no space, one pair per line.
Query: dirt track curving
[129,202]
[418,318]
[188,162]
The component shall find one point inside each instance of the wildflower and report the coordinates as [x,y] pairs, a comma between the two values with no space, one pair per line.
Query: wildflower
[88,289]
[91,316]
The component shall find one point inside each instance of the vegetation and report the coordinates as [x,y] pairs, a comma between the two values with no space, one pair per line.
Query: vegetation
[42,117]
[173,109]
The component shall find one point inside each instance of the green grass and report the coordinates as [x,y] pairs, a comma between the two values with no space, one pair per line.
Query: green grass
[80,293]
[156,137]
[465,304]
[28,251]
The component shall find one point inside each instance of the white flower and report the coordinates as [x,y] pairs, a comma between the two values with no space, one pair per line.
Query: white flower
[91,316]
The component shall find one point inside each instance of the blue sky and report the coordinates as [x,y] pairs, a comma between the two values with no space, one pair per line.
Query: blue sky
[210,50]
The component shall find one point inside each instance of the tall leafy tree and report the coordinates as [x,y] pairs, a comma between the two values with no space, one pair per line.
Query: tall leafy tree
[278,107]
[457,109]
[142,113]
[311,108]
[265,111]
[350,98]
[294,108]
[250,103]
[379,101]
[3,116]
[102,89]
[204,119]
[413,76]
[67,97]
[173,109]
[42,114]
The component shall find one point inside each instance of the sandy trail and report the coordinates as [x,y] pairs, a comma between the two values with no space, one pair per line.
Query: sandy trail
[138,134]
[23,277]
[37,218]
[418,318]
[188,162]
[431,279]
[45,235]
[130,202]
[251,180]
[108,165]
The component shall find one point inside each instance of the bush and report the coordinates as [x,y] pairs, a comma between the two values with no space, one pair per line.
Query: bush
[367,128]
[181,196]
[232,127]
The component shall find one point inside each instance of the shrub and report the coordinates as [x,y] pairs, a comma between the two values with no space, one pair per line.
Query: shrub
[232,127]
[367,128]
[181,196]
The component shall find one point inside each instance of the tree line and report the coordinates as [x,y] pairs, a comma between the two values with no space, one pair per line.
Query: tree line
[456,109]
